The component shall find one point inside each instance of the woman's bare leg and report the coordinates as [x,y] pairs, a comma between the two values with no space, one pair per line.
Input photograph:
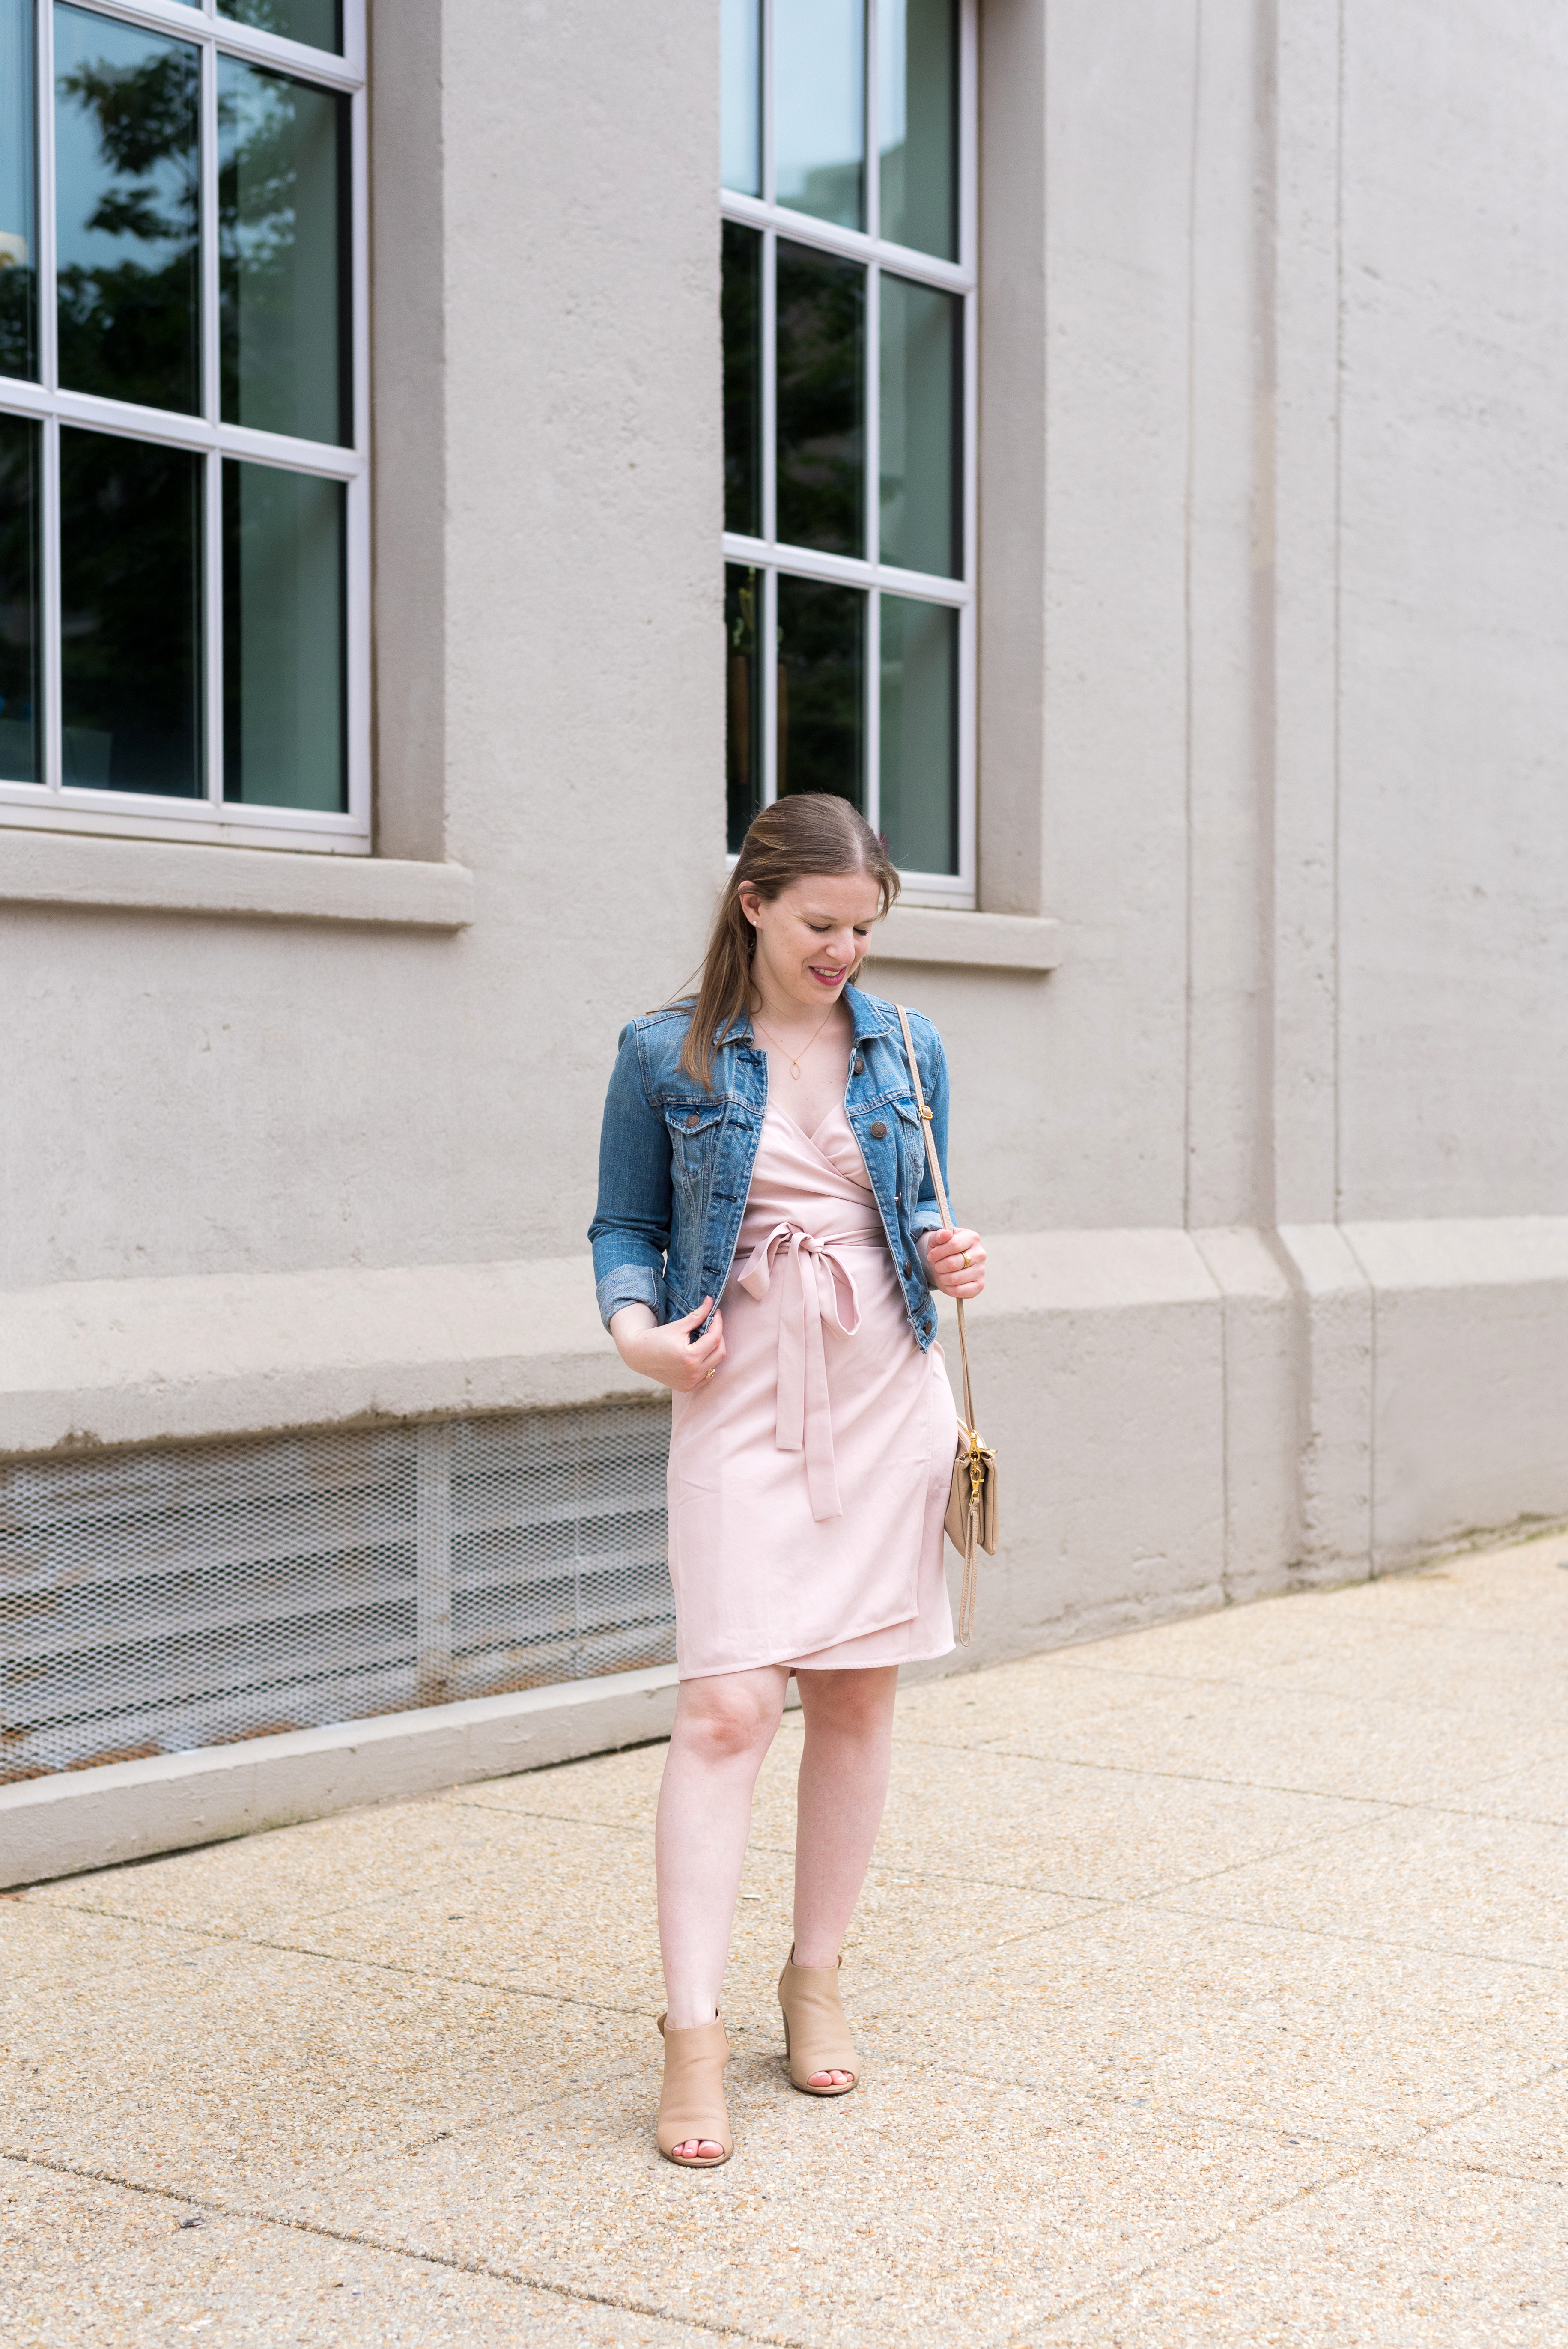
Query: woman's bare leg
[843,1786]
[724,1726]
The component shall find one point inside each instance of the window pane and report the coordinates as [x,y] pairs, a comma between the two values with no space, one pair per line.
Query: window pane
[18,231]
[743,697]
[283,263]
[822,689]
[820,108]
[742,378]
[822,401]
[319,22]
[919,778]
[921,406]
[21,746]
[283,700]
[127,201]
[917,123]
[740,135]
[131,605]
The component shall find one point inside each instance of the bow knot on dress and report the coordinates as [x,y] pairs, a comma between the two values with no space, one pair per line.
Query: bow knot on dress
[821,1290]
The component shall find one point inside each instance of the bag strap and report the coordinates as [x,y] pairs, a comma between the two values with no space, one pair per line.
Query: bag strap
[940,1188]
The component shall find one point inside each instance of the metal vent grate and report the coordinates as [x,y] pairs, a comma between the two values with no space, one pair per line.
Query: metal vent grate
[157,1601]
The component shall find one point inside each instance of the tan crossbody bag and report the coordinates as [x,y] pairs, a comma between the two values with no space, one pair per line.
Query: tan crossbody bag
[973,1506]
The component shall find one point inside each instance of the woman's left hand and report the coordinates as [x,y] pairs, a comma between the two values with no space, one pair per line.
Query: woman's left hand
[957,1262]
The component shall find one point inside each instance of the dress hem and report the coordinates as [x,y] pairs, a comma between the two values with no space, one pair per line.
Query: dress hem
[803,1663]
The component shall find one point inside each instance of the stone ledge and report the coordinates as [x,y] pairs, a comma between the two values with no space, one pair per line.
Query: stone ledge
[78,1819]
[159,876]
[977,941]
[114,1362]
[85,1365]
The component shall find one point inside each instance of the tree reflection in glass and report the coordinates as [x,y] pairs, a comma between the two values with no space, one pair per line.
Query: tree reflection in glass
[21,746]
[919,685]
[127,197]
[742,320]
[821,688]
[921,413]
[822,365]
[917,109]
[131,601]
[283,263]
[18,233]
[284,702]
[319,22]
[820,108]
[740,105]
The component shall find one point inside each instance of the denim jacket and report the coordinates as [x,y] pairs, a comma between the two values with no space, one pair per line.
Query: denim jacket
[676,1161]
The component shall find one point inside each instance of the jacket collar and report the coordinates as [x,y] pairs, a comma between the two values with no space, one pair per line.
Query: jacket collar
[868,1015]
[871,1016]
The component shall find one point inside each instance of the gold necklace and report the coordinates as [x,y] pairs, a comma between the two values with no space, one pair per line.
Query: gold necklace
[794,1064]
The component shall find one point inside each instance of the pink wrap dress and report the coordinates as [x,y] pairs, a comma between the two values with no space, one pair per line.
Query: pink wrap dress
[808,1478]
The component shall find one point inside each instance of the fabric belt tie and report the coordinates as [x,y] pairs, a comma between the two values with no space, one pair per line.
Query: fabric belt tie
[823,1290]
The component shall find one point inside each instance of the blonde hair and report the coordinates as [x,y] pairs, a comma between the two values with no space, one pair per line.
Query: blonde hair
[809,832]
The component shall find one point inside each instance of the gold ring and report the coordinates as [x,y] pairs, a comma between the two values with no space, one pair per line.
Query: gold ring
[966,1260]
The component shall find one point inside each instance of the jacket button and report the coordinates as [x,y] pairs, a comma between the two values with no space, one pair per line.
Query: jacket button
[878,1131]
[860,1064]
[693,1121]
[906,1267]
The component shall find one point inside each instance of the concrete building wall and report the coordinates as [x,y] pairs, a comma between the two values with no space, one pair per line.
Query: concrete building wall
[1274,591]
[217,1096]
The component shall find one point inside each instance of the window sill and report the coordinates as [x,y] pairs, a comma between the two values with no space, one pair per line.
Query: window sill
[978,941]
[154,876]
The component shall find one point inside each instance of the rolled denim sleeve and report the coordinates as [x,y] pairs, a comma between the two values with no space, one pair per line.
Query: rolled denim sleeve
[630,1232]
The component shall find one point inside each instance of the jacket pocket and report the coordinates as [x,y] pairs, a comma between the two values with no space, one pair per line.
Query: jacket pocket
[693,1128]
[913,1169]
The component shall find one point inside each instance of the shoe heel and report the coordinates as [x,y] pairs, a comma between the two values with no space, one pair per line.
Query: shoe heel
[810,1996]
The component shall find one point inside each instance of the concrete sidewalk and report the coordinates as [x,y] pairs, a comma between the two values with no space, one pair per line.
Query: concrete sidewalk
[1212,1981]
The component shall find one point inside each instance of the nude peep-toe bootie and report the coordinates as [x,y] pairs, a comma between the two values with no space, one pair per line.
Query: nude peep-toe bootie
[816,2034]
[691,2104]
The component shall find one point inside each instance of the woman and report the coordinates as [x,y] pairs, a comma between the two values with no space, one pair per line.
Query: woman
[765,1244]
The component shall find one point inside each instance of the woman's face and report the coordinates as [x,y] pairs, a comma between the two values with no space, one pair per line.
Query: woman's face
[810,937]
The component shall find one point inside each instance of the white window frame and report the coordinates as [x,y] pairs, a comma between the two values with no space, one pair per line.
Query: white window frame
[52,804]
[766,554]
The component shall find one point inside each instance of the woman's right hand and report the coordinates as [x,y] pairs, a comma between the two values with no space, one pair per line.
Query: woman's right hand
[664,1350]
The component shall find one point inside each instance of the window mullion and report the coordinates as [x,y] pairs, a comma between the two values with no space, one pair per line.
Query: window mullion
[968,877]
[49,376]
[767,174]
[359,268]
[873,791]
[769,388]
[49,597]
[213,615]
[873,175]
[873,524]
[207,158]
[873,710]
[44,163]
[767,667]
[212,464]
[969,140]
